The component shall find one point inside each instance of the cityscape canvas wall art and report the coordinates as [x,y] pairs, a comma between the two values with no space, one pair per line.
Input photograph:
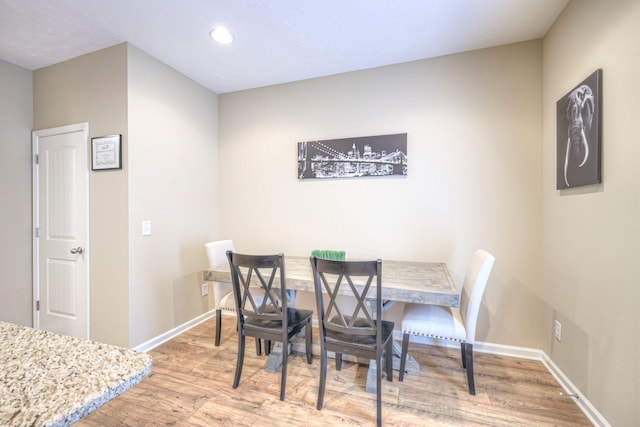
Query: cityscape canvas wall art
[579,127]
[368,156]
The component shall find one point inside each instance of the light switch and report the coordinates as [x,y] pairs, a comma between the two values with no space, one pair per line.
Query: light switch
[146,228]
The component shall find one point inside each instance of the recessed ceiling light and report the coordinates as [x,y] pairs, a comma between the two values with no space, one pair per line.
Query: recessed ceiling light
[221,35]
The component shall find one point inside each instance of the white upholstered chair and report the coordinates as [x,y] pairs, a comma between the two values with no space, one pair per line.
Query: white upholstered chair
[449,323]
[222,292]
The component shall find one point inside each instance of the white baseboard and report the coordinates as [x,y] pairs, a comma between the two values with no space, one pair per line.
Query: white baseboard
[481,347]
[583,403]
[570,390]
[162,338]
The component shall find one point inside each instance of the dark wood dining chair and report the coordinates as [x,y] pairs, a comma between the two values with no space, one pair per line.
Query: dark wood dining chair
[266,318]
[363,333]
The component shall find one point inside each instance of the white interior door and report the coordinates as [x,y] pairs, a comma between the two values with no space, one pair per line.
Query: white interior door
[61,212]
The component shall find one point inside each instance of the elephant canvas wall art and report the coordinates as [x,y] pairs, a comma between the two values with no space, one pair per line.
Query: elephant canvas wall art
[579,137]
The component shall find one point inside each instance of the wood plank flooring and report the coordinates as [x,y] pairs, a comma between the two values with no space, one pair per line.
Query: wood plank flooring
[190,385]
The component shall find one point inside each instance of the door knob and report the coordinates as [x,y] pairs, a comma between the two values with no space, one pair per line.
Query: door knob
[77,250]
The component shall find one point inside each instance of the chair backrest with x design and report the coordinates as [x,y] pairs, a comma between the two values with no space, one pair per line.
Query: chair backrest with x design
[259,286]
[362,279]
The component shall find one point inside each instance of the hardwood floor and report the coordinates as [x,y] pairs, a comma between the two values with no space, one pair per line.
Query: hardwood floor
[190,385]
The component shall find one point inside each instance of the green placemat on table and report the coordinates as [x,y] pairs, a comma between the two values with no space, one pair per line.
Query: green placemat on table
[329,254]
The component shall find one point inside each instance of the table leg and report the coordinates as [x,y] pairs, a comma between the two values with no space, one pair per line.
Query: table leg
[274,361]
[412,367]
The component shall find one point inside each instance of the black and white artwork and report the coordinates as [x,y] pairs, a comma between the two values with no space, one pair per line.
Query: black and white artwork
[579,127]
[381,155]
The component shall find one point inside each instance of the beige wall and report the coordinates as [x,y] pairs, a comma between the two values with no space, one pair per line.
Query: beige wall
[16,122]
[173,176]
[93,88]
[474,126]
[478,177]
[590,243]
[141,287]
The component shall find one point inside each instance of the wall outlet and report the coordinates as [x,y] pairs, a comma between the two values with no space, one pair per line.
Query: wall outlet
[205,289]
[146,228]
[558,330]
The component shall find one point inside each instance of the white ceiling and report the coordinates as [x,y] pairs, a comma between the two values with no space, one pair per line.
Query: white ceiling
[276,41]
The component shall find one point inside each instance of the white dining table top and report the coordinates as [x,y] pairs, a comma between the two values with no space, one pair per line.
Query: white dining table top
[402,281]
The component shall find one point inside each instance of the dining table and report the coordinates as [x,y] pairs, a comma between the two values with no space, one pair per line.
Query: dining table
[402,281]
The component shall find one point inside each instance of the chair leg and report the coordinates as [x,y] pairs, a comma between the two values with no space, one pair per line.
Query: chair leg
[309,342]
[403,355]
[258,347]
[267,347]
[323,376]
[240,360]
[218,326]
[379,389]
[283,369]
[388,359]
[469,365]
[338,361]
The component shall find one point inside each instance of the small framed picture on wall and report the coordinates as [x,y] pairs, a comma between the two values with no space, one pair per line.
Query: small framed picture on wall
[106,152]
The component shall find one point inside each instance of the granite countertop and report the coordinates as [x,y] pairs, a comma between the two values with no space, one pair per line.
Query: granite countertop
[47,379]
